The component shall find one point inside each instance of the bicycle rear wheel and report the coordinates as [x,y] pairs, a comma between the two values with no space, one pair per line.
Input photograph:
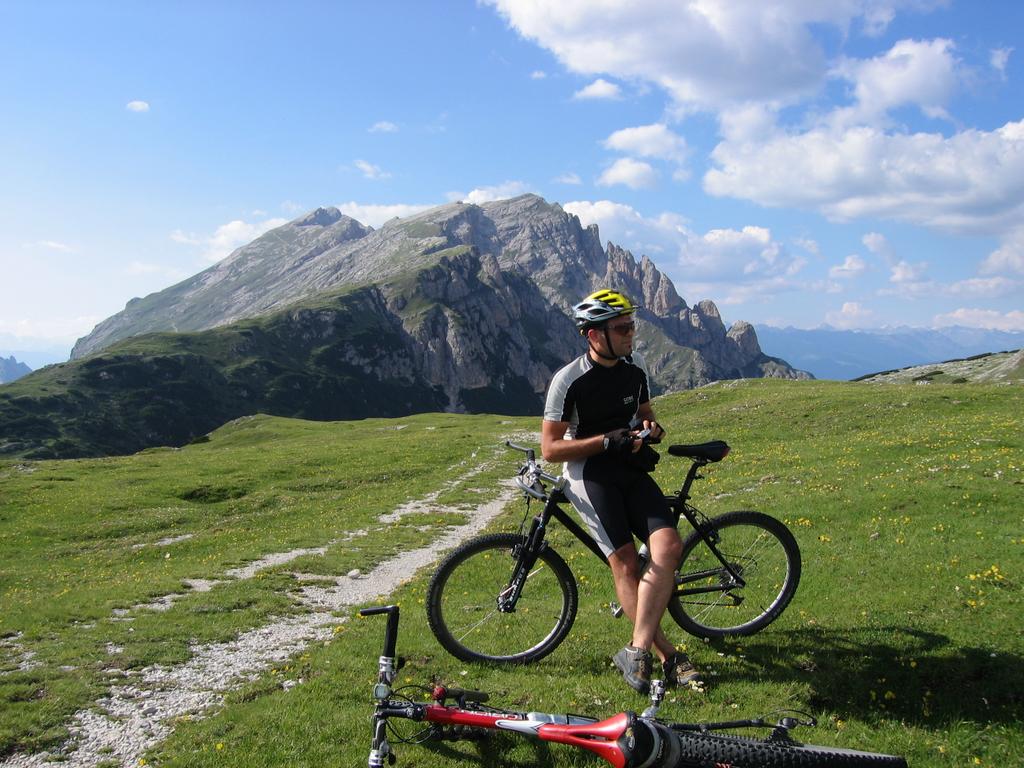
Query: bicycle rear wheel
[462,602]
[700,750]
[761,550]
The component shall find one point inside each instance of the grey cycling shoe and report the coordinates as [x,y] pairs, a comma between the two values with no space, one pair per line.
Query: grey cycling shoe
[635,665]
[679,670]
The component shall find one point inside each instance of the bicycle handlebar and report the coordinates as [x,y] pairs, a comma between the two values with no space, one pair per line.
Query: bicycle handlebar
[534,474]
[391,633]
[530,454]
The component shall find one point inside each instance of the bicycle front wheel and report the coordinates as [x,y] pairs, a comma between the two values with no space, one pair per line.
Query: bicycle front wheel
[711,750]
[463,602]
[761,550]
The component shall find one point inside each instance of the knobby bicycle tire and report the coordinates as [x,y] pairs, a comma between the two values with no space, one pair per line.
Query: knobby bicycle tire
[762,550]
[709,750]
[462,602]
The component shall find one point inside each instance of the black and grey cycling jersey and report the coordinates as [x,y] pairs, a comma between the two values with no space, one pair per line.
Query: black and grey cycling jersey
[595,399]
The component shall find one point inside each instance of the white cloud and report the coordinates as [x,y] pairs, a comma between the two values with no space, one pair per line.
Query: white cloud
[501,191]
[599,89]
[618,219]
[538,74]
[568,178]
[983,287]
[811,246]
[656,141]
[852,315]
[972,181]
[225,239]
[137,106]
[982,318]
[848,164]
[371,171]
[634,174]
[905,272]
[1008,258]
[854,266]
[908,282]
[51,245]
[375,215]
[879,245]
[704,54]
[744,255]
[235,234]
[384,126]
[999,58]
[918,72]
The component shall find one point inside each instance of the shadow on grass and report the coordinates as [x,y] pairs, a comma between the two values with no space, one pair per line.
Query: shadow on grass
[890,672]
[499,749]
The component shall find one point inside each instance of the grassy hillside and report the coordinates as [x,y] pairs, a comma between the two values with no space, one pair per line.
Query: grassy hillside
[904,636]
[167,388]
[991,368]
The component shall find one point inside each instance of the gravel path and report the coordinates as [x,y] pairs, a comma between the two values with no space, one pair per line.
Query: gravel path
[135,715]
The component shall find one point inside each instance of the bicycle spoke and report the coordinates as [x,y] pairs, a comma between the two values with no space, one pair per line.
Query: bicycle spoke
[471,627]
[495,612]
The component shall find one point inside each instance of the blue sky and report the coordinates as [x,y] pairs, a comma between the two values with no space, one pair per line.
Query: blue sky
[852,162]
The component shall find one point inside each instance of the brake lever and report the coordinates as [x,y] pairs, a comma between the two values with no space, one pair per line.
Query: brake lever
[788,723]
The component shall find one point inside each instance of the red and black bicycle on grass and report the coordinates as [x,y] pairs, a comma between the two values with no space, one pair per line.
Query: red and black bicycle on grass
[624,740]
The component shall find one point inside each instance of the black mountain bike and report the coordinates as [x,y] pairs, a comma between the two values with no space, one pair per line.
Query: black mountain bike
[509,597]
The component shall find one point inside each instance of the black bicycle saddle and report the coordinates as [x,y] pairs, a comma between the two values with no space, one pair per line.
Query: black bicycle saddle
[716,450]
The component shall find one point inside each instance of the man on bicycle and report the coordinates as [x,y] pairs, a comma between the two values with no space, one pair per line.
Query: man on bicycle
[590,406]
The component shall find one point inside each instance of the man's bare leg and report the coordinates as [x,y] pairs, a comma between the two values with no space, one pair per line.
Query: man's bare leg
[645,596]
[655,588]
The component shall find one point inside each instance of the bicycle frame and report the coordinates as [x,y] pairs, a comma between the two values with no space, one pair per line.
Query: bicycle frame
[552,509]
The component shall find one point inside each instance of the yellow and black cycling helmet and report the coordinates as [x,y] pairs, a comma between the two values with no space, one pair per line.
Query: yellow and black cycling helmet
[600,307]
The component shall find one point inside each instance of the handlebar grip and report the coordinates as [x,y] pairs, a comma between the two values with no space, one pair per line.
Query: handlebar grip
[391,633]
[377,610]
[528,451]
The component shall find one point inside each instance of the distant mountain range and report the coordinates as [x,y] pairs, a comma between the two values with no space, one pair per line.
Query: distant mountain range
[11,369]
[461,308]
[829,353]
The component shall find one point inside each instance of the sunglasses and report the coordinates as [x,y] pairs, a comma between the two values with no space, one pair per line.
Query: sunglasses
[623,329]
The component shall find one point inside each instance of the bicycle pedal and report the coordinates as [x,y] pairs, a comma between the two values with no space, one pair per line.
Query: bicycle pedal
[616,609]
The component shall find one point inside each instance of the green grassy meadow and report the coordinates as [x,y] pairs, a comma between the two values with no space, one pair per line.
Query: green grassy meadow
[904,637]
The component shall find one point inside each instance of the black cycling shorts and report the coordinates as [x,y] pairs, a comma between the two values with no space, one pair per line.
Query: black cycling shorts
[615,501]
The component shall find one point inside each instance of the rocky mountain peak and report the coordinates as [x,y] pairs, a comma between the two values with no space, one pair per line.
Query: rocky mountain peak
[744,336]
[11,369]
[321,217]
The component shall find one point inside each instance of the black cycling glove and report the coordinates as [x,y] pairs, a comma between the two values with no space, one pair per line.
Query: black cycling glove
[619,441]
